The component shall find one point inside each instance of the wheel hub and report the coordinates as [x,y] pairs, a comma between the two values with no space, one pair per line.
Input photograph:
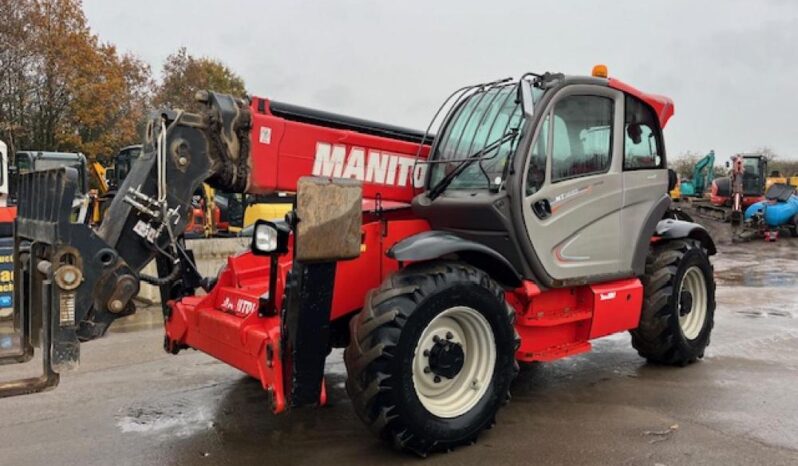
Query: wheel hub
[693,302]
[685,303]
[454,361]
[446,358]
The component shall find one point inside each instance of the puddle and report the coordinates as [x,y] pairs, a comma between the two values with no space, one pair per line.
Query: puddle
[179,419]
[764,313]
[755,278]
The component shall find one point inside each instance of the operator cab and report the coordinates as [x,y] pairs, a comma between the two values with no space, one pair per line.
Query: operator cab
[754,170]
[31,161]
[564,177]
[123,163]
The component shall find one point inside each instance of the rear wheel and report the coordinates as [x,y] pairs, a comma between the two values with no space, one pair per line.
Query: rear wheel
[679,305]
[431,356]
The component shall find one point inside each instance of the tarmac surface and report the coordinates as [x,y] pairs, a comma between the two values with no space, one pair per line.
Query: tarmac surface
[131,403]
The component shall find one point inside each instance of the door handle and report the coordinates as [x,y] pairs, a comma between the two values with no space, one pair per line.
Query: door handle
[542,208]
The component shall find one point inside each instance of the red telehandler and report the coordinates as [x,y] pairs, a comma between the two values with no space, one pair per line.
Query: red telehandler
[532,223]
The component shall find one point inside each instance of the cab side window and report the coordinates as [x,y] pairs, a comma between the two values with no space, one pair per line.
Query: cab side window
[642,137]
[582,136]
[536,175]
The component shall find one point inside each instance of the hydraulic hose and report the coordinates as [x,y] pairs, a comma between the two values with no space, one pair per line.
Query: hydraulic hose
[173,275]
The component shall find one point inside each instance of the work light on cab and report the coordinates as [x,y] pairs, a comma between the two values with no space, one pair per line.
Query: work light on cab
[600,71]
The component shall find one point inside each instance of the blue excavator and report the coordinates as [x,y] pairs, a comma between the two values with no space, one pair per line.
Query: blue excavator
[703,174]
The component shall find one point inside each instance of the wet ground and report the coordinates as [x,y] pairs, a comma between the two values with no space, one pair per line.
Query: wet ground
[130,403]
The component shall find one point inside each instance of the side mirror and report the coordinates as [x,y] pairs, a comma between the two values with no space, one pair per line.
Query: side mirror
[525,97]
[269,238]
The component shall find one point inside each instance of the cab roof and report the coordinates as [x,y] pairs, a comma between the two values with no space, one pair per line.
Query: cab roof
[663,106]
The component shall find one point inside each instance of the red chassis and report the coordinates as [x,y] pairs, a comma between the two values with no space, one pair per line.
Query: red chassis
[226,324]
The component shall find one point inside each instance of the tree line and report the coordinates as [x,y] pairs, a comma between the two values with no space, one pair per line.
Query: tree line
[64,89]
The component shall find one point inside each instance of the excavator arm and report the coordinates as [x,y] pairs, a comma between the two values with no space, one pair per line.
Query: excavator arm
[701,180]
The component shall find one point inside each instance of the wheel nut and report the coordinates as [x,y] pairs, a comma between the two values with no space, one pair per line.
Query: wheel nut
[436,338]
[426,353]
[427,370]
[437,379]
[449,335]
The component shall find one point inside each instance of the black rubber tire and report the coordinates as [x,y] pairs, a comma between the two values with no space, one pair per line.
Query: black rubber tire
[659,337]
[384,337]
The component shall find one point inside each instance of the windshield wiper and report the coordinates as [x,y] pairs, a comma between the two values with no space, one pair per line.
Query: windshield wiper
[444,183]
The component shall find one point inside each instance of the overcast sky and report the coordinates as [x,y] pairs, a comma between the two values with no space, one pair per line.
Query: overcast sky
[730,66]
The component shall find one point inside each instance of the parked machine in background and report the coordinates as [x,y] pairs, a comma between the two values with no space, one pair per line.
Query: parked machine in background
[778,211]
[703,174]
[123,164]
[8,212]
[7,215]
[745,183]
[780,178]
[27,162]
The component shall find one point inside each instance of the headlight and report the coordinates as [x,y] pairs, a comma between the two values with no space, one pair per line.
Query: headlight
[269,238]
[265,238]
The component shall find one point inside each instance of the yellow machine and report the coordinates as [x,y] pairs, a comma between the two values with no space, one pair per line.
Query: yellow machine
[101,175]
[771,180]
[676,192]
[265,211]
[211,217]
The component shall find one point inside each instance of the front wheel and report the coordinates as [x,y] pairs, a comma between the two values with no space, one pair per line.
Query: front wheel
[431,356]
[679,304]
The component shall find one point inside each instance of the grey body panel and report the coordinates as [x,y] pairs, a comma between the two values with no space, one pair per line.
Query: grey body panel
[645,230]
[500,220]
[582,236]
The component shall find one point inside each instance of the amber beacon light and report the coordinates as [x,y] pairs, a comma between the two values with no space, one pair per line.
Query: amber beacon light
[600,71]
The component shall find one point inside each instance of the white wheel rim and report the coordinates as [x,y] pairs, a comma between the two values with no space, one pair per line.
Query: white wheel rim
[693,321]
[451,397]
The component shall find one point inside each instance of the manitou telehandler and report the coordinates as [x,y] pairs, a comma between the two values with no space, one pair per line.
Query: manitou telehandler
[531,224]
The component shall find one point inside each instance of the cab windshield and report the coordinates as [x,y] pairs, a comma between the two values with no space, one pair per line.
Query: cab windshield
[479,123]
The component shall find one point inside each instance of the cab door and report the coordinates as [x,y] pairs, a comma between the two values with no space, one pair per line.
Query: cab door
[645,180]
[574,185]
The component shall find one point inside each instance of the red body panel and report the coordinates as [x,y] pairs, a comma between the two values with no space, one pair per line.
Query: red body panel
[8,214]
[283,150]
[724,201]
[225,323]
[663,106]
[560,322]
